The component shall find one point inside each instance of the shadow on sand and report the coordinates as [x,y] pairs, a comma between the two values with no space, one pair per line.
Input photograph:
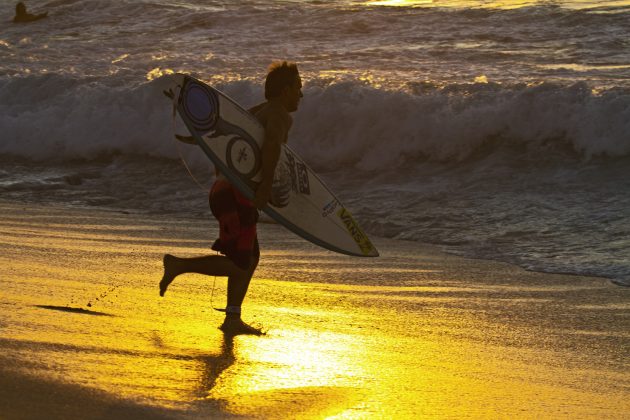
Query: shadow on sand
[73,310]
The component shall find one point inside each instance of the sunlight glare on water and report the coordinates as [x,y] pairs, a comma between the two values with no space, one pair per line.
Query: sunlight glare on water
[505,4]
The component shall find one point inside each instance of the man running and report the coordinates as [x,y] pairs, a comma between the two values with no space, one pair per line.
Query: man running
[236,214]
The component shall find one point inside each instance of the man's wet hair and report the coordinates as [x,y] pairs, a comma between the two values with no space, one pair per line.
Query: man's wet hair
[280,75]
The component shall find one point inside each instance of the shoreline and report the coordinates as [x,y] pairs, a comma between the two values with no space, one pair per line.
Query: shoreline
[266,220]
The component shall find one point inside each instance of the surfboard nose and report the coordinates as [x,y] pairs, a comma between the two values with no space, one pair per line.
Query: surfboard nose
[200,105]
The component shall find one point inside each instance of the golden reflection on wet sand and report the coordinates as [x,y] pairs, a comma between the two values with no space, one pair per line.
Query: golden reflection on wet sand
[500,4]
[443,341]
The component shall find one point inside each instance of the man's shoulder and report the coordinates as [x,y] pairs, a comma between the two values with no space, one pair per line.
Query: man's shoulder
[271,113]
[255,109]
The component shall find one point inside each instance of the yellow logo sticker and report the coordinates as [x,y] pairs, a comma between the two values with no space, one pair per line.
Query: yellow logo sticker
[355,231]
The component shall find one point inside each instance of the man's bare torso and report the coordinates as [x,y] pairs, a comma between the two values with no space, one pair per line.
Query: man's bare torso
[271,111]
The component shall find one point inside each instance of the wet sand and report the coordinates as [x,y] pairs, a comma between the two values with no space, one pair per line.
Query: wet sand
[414,333]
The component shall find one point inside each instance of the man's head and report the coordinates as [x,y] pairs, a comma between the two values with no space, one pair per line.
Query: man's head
[284,83]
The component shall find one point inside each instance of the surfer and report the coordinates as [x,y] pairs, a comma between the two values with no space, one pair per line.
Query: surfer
[237,216]
[22,16]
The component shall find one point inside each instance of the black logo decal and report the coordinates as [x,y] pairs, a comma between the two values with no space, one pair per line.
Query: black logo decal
[291,165]
[357,234]
[242,155]
[305,187]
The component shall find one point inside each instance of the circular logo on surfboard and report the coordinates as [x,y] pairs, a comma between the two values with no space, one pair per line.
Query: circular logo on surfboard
[201,106]
[243,156]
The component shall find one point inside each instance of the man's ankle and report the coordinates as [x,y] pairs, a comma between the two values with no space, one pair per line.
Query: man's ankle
[233,311]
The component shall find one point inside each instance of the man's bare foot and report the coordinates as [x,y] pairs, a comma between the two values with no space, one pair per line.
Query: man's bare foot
[168,273]
[236,326]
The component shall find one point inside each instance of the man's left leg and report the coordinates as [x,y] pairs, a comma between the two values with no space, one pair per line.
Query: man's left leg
[237,289]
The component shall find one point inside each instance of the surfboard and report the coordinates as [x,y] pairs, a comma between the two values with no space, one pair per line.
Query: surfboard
[232,139]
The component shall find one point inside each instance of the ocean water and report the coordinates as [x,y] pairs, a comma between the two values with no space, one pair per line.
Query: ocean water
[497,130]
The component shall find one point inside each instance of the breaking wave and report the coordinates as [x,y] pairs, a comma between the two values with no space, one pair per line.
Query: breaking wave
[345,124]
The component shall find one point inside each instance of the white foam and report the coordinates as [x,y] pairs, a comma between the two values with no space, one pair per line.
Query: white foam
[55,117]
[352,124]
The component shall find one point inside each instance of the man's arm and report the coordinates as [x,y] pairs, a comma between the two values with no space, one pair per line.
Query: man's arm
[275,131]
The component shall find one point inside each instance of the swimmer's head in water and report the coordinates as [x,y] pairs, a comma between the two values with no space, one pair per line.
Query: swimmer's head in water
[20,9]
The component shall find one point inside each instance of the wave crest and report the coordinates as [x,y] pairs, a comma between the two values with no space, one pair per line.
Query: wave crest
[349,123]
[353,124]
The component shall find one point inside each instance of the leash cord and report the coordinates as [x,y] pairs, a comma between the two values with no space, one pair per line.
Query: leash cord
[172,95]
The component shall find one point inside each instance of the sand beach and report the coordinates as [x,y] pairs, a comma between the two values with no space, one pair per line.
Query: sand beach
[415,333]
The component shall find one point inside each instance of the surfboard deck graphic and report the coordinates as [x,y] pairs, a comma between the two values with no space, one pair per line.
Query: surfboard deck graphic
[231,138]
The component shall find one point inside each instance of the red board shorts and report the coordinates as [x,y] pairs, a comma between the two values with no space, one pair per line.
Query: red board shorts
[237,218]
